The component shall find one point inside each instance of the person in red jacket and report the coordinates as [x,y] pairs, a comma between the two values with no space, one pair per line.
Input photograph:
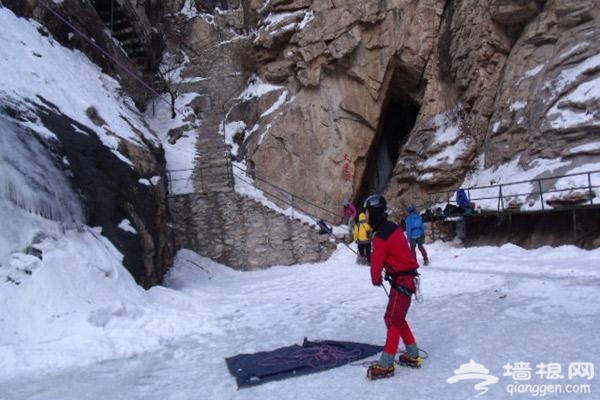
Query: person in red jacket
[392,255]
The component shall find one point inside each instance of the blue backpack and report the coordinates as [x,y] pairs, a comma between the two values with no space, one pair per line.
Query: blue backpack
[462,199]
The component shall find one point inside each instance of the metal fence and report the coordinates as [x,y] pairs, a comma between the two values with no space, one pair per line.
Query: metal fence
[287,198]
[540,194]
[561,191]
[200,180]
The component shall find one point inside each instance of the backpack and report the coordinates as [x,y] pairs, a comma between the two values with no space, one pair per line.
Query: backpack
[323,227]
[427,216]
[462,200]
[451,209]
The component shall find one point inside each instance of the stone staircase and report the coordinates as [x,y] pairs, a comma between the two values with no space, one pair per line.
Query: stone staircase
[216,221]
[219,223]
[212,172]
[124,32]
[121,29]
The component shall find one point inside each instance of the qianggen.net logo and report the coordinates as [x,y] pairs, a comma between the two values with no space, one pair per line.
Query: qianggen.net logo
[554,380]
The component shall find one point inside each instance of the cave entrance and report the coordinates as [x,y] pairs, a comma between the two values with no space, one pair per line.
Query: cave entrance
[398,115]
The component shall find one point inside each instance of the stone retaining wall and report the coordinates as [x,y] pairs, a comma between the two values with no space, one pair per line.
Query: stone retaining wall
[242,233]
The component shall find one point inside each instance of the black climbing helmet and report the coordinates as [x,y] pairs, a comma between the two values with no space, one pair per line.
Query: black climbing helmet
[375,201]
[377,208]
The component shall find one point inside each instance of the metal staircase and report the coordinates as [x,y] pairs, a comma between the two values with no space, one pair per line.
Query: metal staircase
[121,29]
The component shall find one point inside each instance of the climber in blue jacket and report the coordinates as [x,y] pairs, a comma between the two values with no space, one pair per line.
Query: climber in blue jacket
[415,232]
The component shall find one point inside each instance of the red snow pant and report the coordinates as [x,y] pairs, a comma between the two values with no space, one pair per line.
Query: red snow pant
[395,320]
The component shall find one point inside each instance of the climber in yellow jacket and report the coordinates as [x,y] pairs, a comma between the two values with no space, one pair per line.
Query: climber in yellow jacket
[362,236]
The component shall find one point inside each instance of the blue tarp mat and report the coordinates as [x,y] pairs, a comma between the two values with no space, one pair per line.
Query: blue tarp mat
[286,362]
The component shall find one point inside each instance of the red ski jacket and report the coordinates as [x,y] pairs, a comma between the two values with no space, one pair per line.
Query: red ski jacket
[391,252]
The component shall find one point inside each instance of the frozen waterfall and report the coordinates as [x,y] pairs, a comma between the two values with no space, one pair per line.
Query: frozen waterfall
[36,196]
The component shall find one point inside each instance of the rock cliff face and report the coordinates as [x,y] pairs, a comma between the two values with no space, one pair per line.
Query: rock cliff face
[113,191]
[351,63]
[408,97]
[121,182]
[544,107]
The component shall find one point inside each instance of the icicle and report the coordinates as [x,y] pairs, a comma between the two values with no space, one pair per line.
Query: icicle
[30,179]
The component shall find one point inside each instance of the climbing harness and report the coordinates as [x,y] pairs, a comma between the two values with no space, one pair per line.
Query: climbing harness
[398,287]
[391,277]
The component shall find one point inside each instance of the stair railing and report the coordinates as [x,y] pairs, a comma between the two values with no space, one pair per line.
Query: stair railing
[288,198]
[195,180]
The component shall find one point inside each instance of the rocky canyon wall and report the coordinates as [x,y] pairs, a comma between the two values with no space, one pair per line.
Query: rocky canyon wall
[409,98]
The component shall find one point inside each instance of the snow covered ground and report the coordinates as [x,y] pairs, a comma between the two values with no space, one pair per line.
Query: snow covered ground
[74,331]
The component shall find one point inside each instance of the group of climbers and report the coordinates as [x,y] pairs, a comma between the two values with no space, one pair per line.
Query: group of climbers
[361,231]
[390,251]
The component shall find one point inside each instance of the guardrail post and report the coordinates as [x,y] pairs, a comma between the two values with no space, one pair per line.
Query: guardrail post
[541,193]
[574,226]
[169,182]
[589,175]
[500,199]
[202,188]
[432,217]
[228,175]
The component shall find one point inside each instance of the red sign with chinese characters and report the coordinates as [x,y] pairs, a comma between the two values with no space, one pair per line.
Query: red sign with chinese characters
[346,169]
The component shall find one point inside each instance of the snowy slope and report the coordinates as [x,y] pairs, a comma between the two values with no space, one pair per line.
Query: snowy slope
[35,67]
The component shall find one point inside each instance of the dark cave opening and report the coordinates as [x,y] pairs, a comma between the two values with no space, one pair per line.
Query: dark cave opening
[399,114]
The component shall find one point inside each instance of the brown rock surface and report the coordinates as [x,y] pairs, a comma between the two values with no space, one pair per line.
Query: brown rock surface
[483,80]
